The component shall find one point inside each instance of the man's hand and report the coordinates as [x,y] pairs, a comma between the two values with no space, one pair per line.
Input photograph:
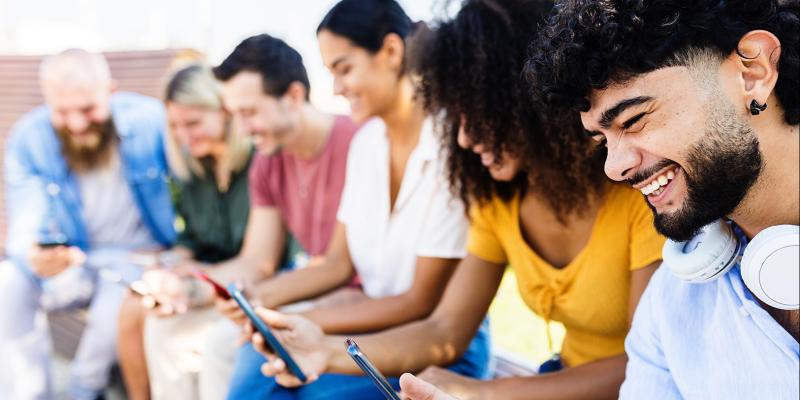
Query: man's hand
[47,262]
[175,293]
[302,338]
[414,388]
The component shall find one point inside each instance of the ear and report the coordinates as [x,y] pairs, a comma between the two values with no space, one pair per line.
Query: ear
[295,95]
[757,58]
[393,51]
[113,86]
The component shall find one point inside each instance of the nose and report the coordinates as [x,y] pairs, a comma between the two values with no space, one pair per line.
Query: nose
[77,123]
[621,161]
[463,140]
[182,133]
[338,88]
[247,124]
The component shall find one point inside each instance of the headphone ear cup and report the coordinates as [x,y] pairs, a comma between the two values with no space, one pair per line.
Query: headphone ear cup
[705,257]
[771,266]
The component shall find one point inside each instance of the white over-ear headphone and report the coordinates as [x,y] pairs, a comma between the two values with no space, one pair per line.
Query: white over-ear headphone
[770,264]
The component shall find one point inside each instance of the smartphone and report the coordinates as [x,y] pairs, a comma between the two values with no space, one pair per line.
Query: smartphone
[50,243]
[263,329]
[218,289]
[377,377]
[116,277]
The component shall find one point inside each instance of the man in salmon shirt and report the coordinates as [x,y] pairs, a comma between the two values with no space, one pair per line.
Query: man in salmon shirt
[296,181]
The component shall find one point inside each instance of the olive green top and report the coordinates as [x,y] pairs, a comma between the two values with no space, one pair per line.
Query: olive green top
[213,222]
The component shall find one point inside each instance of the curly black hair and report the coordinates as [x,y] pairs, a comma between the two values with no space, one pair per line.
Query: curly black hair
[278,64]
[590,44]
[471,65]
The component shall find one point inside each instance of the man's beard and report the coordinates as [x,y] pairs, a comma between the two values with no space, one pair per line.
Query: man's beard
[719,172]
[94,151]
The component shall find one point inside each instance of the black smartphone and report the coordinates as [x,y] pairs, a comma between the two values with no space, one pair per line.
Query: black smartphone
[264,330]
[377,377]
[50,243]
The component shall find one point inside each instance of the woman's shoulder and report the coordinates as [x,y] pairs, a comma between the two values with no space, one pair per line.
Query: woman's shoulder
[621,196]
[495,211]
[368,137]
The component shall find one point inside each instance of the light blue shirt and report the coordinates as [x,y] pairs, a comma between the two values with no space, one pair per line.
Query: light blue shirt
[708,341]
[43,195]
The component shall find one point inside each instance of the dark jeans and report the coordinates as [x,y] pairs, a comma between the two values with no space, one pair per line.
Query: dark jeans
[247,382]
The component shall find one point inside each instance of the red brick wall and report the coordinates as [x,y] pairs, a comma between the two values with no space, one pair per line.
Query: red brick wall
[136,71]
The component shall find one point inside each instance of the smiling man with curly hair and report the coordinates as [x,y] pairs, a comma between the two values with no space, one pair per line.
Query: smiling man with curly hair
[697,103]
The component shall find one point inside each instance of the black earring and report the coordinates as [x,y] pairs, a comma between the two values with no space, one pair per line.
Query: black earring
[756,108]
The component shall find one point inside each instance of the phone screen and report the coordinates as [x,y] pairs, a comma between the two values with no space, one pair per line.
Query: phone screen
[377,377]
[47,244]
[264,330]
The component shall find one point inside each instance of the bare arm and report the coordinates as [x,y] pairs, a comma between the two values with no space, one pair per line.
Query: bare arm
[264,241]
[333,270]
[600,379]
[438,340]
[369,315]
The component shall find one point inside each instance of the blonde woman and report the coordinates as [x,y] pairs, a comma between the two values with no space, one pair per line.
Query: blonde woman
[209,162]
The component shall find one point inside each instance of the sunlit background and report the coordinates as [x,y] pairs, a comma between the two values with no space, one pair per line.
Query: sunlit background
[213,27]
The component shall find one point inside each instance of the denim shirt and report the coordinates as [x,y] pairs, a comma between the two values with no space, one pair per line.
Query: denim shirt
[708,341]
[42,194]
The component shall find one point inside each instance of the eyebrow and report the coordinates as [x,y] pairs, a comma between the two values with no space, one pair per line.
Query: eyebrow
[612,113]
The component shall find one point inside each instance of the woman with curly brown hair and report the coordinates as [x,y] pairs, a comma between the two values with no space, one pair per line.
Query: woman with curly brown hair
[583,249]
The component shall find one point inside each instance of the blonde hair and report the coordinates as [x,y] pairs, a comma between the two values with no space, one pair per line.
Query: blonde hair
[195,86]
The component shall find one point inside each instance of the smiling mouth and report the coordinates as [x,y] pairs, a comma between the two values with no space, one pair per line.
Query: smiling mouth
[658,183]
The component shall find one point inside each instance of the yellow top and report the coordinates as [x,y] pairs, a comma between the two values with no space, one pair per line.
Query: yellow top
[590,294]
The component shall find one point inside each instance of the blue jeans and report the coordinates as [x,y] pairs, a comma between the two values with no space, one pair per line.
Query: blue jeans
[247,382]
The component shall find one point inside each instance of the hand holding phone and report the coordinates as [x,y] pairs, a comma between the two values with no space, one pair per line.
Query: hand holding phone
[51,257]
[138,288]
[415,388]
[377,377]
[262,328]
[219,290]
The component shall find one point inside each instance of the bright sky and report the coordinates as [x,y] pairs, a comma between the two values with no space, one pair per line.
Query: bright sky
[213,27]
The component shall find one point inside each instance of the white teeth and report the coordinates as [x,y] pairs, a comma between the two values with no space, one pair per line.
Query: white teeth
[654,186]
[657,183]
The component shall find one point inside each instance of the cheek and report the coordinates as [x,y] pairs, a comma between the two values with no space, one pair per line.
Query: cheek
[351,84]
[57,120]
[378,89]
[198,133]
[211,128]
[99,115]
[669,140]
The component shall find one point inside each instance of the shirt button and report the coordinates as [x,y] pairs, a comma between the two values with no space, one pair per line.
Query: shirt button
[53,189]
[152,173]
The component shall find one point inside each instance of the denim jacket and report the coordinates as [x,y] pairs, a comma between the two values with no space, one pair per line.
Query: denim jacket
[42,194]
